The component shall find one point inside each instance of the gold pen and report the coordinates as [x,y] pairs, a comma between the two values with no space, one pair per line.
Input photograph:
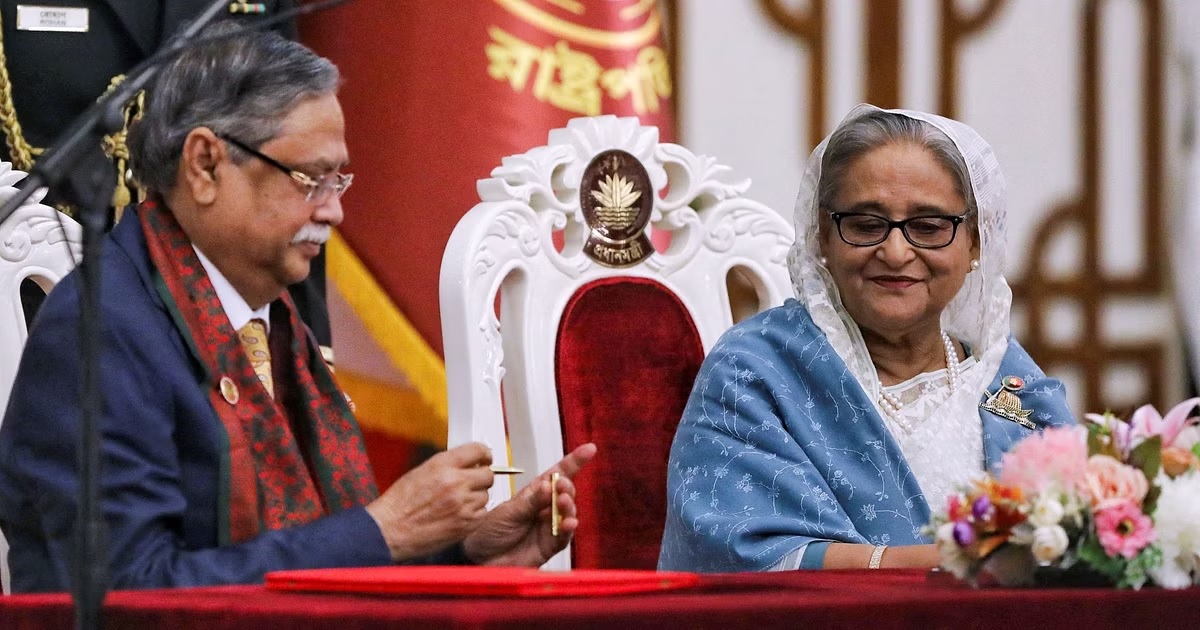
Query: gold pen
[507,470]
[553,504]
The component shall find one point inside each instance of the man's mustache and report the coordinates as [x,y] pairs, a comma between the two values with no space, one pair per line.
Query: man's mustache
[312,232]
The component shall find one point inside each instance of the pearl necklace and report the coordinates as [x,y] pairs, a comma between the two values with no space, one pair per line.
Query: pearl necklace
[891,403]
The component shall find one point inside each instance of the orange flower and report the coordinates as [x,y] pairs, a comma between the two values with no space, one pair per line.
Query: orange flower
[1176,461]
[1007,501]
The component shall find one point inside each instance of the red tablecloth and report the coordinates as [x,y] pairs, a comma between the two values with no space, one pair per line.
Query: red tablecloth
[826,599]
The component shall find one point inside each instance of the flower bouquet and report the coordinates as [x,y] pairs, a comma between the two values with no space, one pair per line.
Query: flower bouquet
[1110,502]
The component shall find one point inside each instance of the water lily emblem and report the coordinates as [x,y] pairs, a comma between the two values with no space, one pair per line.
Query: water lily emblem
[616,197]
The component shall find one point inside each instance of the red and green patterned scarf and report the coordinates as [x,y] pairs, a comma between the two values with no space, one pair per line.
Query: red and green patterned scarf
[268,481]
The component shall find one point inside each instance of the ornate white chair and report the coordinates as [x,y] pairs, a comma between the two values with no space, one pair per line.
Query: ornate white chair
[562,324]
[40,244]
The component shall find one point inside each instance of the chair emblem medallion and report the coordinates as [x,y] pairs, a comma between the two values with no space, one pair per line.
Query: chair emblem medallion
[616,199]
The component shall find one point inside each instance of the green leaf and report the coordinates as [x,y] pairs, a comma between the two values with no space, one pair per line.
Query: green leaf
[1147,456]
[1151,500]
[1196,449]
[1100,441]
[1092,554]
[1137,570]
[1095,438]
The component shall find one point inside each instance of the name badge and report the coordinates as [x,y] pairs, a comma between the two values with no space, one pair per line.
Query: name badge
[57,19]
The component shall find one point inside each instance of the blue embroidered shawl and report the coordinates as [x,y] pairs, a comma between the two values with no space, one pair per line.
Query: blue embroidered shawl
[779,447]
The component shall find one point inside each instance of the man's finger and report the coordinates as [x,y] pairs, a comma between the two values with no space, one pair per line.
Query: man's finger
[570,465]
[568,525]
[540,496]
[478,500]
[565,486]
[470,455]
[566,504]
[479,478]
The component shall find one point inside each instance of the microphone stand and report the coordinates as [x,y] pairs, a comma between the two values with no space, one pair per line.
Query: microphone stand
[91,557]
[90,561]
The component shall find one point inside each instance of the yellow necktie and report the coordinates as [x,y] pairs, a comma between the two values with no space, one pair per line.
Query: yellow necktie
[254,341]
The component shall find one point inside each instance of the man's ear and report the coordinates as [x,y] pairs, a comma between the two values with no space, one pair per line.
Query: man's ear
[203,152]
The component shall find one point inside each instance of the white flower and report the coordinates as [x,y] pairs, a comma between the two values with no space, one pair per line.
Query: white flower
[1049,543]
[1177,526]
[945,535]
[1022,534]
[1046,512]
[954,559]
[1171,575]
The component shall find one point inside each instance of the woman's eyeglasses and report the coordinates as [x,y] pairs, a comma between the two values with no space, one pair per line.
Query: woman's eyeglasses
[927,232]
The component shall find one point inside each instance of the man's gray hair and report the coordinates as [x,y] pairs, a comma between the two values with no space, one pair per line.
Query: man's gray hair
[241,84]
[876,129]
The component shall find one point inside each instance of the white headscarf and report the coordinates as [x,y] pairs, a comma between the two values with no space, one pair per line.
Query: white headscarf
[978,315]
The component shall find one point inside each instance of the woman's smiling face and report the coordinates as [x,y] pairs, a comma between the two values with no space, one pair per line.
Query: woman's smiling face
[894,288]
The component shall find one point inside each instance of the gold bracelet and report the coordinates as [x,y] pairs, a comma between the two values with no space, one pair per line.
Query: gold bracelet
[876,556]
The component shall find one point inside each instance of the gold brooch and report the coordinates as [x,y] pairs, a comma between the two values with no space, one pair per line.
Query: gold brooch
[229,391]
[1006,404]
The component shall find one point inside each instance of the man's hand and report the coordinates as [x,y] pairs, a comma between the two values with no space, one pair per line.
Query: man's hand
[517,532]
[436,504]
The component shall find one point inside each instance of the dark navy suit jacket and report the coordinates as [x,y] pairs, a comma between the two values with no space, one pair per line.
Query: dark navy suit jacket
[161,451]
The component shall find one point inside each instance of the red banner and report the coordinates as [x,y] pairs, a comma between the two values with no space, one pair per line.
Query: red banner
[436,93]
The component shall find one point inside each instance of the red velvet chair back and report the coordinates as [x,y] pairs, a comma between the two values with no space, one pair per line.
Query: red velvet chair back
[626,358]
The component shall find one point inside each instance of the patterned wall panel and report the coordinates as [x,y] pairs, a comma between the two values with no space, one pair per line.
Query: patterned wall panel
[1088,294]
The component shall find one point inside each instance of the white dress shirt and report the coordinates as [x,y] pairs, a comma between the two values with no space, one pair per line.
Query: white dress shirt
[235,306]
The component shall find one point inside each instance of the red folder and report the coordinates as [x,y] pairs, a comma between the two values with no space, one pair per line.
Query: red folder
[497,581]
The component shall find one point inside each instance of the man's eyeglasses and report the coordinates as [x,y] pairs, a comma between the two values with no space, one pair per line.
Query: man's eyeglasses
[320,189]
[927,232]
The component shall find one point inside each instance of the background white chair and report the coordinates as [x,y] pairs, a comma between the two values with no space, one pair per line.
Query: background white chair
[548,345]
[37,243]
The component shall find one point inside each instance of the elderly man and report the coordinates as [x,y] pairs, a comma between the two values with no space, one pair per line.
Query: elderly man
[228,450]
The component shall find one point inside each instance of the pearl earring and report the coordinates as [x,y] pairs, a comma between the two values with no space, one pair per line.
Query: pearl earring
[975,265]
[823,260]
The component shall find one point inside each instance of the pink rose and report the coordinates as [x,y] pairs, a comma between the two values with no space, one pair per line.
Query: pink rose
[1110,482]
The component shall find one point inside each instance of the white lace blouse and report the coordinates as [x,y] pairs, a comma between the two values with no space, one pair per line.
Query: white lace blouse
[943,450]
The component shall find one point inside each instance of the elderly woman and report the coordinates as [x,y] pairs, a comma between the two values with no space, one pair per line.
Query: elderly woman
[821,433]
